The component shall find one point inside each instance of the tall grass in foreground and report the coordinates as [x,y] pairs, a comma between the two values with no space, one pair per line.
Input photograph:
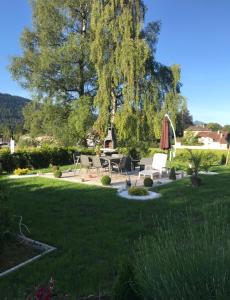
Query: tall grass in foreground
[194,264]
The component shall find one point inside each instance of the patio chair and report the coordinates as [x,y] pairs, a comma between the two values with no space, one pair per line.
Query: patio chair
[145,161]
[76,161]
[85,163]
[124,165]
[98,163]
[157,168]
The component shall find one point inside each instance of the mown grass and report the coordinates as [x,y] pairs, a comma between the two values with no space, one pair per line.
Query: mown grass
[93,228]
[50,169]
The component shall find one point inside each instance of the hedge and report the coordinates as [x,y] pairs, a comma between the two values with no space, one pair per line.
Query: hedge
[181,161]
[37,158]
[214,157]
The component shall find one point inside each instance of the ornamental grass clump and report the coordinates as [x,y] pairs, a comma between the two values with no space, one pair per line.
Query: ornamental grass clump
[137,191]
[193,263]
[106,180]
[196,160]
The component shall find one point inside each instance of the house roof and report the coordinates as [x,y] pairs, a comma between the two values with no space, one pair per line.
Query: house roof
[198,128]
[217,136]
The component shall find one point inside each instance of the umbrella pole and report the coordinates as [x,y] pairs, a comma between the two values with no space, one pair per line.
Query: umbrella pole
[174,134]
[227,157]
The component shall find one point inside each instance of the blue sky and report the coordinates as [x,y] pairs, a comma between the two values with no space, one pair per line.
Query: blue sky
[194,34]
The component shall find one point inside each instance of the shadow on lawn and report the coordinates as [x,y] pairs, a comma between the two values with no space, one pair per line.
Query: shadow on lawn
[92,227]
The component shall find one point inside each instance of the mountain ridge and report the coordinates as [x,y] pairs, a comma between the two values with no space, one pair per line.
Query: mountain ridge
[11,110]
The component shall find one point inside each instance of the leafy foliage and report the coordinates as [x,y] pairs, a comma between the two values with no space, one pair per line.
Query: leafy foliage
[36,158]
[214,126]
[196,159]
[190,139]
[172,174]
[210,159]
[137,191]
[20,171]
[92,64]
[55,66]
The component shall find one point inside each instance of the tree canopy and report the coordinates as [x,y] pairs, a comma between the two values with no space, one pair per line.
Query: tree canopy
[214,126]
[90,65]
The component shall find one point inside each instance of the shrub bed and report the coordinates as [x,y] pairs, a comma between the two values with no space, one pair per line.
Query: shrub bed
[20,171]
[137,191]
[209,158]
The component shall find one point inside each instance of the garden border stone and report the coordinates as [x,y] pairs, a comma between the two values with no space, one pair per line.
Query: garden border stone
[150,196]
[45,248]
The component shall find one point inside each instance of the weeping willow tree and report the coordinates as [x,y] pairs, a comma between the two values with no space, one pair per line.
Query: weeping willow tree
[119,53]
[174,101]
[94,59]
[134,91]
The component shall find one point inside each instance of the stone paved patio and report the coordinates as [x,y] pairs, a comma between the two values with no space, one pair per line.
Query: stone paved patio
[118,180]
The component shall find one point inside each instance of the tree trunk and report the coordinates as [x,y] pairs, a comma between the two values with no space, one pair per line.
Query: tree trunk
[82,82]
[113,107]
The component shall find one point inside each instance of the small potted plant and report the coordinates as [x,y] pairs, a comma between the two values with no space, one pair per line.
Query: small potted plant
[172,174]
[128,183]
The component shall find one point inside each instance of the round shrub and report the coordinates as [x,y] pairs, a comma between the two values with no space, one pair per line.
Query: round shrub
[57,174]
[172,174]
[148,182]
[105,180]
[137,191]
[55,168]
[189,171]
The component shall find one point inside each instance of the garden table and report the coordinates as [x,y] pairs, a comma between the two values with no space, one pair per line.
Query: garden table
[110,160]
[134,163]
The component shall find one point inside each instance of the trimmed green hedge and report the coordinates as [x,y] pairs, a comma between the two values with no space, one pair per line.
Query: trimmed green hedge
[37,158]
[211,158]
[181,161]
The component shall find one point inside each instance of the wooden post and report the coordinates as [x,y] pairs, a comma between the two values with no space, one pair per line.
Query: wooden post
[227,159]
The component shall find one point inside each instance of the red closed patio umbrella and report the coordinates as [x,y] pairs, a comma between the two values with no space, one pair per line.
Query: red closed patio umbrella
[165,139]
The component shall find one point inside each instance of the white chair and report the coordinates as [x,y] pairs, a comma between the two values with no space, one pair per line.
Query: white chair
[158,166]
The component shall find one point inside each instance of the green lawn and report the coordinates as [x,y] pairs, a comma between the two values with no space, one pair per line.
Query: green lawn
[93,228]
